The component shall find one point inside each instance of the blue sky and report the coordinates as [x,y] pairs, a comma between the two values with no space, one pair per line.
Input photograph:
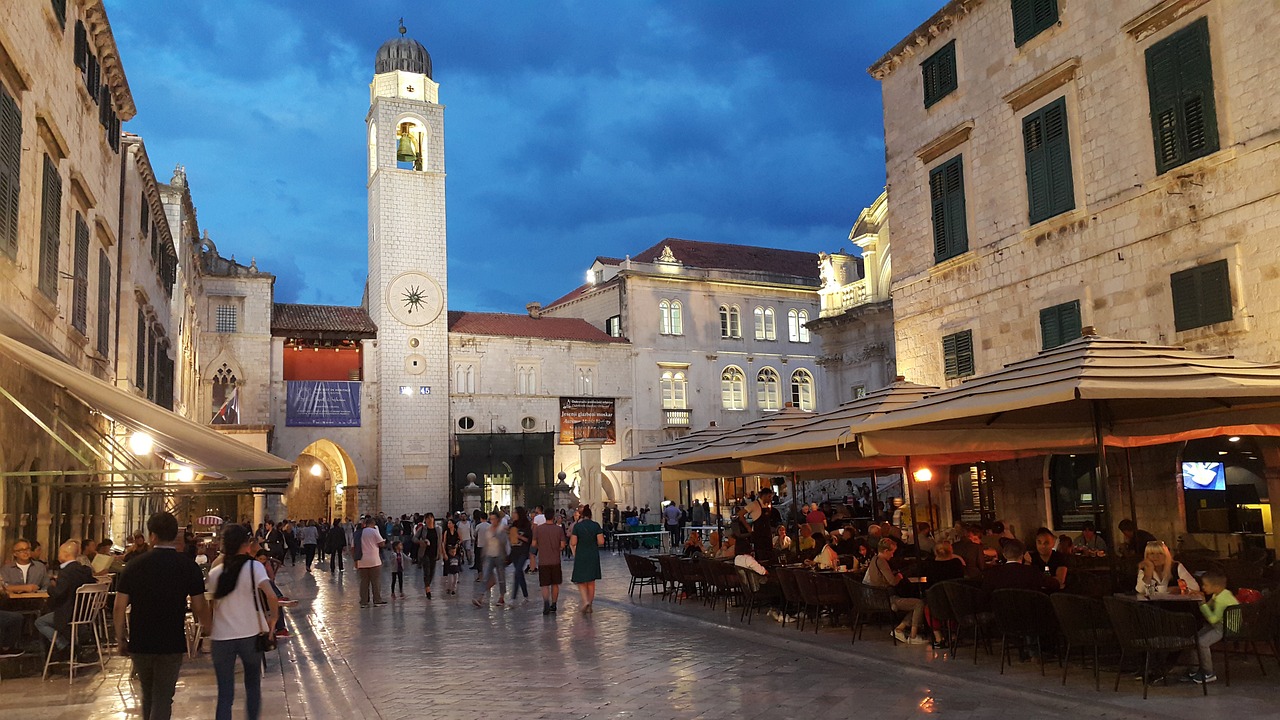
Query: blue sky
[573,128]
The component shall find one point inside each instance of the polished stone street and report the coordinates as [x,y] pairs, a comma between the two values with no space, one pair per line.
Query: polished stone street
[647,658]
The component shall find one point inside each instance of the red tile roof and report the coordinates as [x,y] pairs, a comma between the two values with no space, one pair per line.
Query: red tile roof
[336,319]
[723,256]
[511,325]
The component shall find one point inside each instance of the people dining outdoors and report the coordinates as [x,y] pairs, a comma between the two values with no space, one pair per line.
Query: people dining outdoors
[970,549]
[693,547]
[23,574]
[1090,543]
[748,561]
[1047,560]
[815,518]
[1159,573]
[806,541]
[62,597]
[1135,539]
[881,574]
[781,540]
[1015,573]
[944,565]
[827,558]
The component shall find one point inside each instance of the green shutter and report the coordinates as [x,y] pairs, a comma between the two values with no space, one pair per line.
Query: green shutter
[10,172]
[80,286]
[140,352]
[1059,324]
[938,74]
[938,199]
[104,302]
[1032,17]
[949,366]
[946,191]
[1184,118]
[957,355]
[50,229]
[1201,296]
[1047,147]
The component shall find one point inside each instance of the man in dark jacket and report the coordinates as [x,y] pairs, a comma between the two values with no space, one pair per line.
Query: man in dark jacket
[1014,574]
[335,540]
[62,598]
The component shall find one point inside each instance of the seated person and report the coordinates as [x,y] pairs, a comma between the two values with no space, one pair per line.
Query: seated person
[1160,573]
[1135,539]
[105,561]
[1217,599]
[693,547]
[1014,573]
[881,575]
[944,565]
[23,574]
[728,548]
[62,598]
[748,561]
[1066,547]
[806,538]
[1047,560]
[827,558]
[781,540]
[924,537]
[1090,543]
[970,549]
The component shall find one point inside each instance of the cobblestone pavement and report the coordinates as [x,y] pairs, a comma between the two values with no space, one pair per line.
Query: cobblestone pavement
[645,658]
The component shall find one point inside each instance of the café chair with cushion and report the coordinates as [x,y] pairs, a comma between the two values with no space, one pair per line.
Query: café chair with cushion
[89,602]
[869,604]
[1085,625]
[1023,616]
[970,609]
[1246,625]
[1143,628]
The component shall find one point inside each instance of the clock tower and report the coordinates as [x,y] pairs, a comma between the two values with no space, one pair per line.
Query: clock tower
[408,279]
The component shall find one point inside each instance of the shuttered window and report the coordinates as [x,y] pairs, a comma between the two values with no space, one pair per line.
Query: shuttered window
[81,53]
[10,172]
[946,192]
[144,215]
[60,11]
[957,354]
[50,229]
[104,302]
[140,352]
[80,287]
[1048,158]
[1032,17]
[1184,119]
[151,364]
[939,74]
[1059,324]
[1201,296]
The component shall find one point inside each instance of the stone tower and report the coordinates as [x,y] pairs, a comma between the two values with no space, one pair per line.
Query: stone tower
[408,280]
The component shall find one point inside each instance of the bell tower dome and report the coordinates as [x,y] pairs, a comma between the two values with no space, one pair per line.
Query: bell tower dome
[408,277]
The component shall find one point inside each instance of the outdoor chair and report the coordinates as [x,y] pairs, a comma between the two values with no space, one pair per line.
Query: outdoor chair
[672,576]
[829,593]
[939,607]
[869,603]
[1246,625]
[89,603]
[1089,583]
[792,601]
[643,574]
[756,593]
[970,609]
[1085,625]
[1023,616]
[1143,628]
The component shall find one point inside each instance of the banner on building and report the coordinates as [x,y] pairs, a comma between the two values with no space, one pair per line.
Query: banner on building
[587,418]
[323,403]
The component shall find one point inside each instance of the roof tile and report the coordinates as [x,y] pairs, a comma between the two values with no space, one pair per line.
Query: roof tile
[511,325]
[290,317]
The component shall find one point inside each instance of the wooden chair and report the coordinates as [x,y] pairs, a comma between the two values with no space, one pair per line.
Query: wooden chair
[90,600]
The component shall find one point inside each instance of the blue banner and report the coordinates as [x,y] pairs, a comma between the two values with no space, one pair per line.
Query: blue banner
[323,403]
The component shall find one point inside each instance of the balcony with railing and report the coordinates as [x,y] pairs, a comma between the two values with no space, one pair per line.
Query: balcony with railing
[838,300]
[677,417]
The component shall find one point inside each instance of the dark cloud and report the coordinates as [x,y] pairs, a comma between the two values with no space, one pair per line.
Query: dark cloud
[574,128]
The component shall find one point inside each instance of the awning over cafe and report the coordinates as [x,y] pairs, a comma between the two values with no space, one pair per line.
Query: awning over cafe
[201,448]
[715,457]
[655,457]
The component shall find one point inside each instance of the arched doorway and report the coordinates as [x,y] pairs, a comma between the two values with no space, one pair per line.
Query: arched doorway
[326,484]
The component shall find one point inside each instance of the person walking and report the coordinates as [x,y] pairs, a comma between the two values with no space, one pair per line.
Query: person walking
[492,547]
[586,541]
[367,551]
[240,588]
[335,540]
[398,561]
[309,536]
[520,535]
[157,585]
[428,538]
[322,535]
[451,557]
[548,540]
[466,546]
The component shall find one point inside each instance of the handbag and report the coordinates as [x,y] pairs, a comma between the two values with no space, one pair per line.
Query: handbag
[265,641]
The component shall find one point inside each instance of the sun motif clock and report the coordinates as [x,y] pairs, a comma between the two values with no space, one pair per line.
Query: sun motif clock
[414,298]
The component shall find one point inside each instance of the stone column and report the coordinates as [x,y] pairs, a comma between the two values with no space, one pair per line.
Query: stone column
[562,495]
[259,506]
[589,460]
[472,496]
[43,518]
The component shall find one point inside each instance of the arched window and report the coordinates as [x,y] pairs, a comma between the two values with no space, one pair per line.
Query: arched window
[768,389]
[677,318]
[730,321]
[527,379]
[411,144]
[675,390]
[802,389]
[464,378]
[802,319]
[766,329]
[793,325]
[733,389]
[664,317]
[226,397]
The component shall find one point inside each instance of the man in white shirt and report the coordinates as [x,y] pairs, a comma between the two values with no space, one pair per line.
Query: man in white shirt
[749,562]
[23,575]
[539,517]
[368,553]
[491,540]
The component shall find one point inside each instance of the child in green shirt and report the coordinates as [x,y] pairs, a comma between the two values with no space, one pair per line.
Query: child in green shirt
[1217,599]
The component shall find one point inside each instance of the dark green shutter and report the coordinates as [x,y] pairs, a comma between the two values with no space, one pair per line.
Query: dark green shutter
[946,193]
[938,74]
[10,172]
[957,355]
[1201,296]
[140,352]
[80,287]
[104,302]
[144,215]
[50,229]
[1032,17]
[1180,86]
[1047,146]
[60,11]
[81,53]
[1059,324]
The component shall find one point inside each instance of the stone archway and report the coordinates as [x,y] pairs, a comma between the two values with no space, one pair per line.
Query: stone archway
[325,485]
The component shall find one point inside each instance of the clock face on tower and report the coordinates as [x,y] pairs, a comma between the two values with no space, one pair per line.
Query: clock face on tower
[414,298]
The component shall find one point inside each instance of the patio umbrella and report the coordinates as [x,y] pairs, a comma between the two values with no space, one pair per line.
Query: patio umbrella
[715,456]
[655,457]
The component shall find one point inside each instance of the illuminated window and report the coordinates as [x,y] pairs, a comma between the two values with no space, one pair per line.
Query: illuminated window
[768,389]
[733,389]
[802,389]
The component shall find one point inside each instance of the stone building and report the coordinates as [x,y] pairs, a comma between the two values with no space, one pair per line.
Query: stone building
[720,334]
[855,323]
[1054,165]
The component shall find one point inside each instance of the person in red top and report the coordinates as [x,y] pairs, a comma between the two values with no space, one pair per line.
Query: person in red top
[816,519]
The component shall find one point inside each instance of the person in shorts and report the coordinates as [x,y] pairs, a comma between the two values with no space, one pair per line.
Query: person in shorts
[548,541]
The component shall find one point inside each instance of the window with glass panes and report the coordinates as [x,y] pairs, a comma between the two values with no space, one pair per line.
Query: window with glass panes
[768,389]
[733,389]
[802,390]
